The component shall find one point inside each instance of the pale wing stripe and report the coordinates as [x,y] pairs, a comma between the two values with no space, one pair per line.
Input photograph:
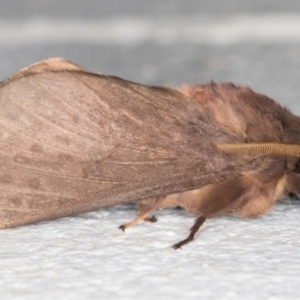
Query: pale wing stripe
[144,162]
[16,190]
[14,150]
[35,171]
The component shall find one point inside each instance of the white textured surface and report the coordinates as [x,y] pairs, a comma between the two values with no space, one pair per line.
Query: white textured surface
[88,257]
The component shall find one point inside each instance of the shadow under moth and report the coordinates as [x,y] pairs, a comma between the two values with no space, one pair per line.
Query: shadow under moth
[73,141]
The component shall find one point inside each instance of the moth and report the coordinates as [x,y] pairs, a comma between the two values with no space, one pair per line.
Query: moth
[73,141]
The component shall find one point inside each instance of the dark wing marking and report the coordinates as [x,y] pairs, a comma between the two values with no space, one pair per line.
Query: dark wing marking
[73,141]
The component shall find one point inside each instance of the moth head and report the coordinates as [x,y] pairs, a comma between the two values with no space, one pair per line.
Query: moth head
[288,150]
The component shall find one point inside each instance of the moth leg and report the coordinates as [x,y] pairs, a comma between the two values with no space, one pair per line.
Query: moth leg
[141,208]
[151,219]
[143,214]
[193,231]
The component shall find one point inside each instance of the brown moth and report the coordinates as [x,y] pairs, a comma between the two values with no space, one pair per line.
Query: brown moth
[72,141]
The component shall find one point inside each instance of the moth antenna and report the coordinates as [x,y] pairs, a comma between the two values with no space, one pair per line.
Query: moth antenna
[193,231]
[262,148]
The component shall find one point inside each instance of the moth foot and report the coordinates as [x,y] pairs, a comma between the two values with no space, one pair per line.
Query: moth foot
[151,219]
[199,221]
[177,246]
[122,227]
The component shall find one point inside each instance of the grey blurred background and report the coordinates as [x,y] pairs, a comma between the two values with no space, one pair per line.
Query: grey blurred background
[163,42]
